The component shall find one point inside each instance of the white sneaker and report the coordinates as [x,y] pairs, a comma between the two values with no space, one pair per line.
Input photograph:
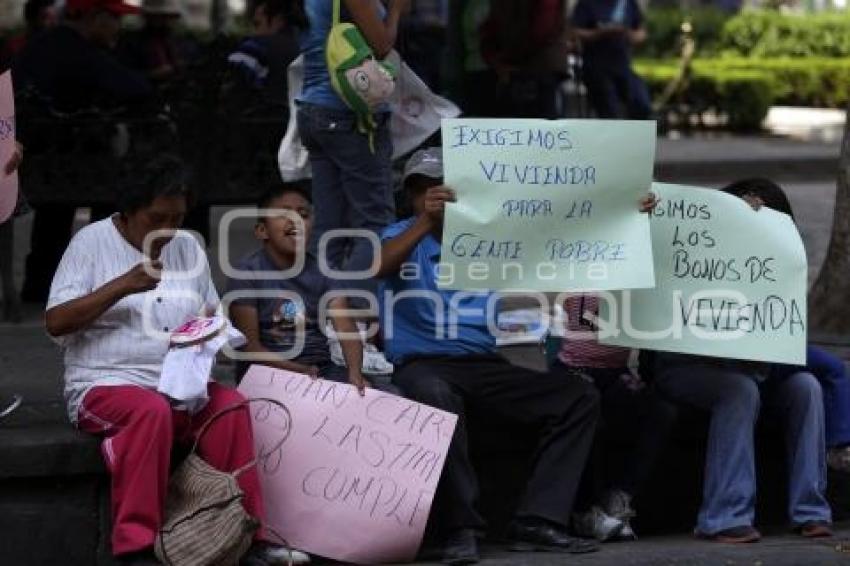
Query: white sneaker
[627,533]
[839,459]
[597,524]
[268,554]
[282,555]
[618,504]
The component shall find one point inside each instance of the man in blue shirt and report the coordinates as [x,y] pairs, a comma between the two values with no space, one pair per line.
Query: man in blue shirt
[607,30]
[446,357]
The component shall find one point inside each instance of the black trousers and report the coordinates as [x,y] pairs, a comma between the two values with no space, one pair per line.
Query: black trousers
[633,431]
[563,409]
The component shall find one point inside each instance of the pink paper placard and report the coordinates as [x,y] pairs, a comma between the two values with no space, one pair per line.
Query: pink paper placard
[350,478]
[8,183]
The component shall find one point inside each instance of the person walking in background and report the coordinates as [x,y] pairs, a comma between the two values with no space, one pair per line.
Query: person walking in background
[524,43]
[154,49]
[608,30]
[69,70]
[39,15]
[352,177]
[261,62]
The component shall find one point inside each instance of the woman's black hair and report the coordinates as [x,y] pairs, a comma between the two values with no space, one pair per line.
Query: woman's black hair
[163,176]
[769,192]
[291,10]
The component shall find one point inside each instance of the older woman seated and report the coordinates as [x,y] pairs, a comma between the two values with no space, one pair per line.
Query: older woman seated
[122,286]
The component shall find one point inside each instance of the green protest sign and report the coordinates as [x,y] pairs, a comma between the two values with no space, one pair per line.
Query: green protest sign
[547,205]
[730,282]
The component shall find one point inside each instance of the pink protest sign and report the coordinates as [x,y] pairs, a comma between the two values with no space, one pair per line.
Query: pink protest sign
[8,183]
[348,477]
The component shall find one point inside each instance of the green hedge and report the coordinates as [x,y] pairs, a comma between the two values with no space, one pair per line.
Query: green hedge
[798,82]
[751,33]
[744,89]
[768,33]
[741,96]
[663,26]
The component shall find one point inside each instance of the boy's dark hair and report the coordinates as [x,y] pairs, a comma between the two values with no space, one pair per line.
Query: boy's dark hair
[277,191]
[292,11]
[769,192]
[163,176]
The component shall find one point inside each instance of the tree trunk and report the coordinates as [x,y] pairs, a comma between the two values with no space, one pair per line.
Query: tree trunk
[829,308]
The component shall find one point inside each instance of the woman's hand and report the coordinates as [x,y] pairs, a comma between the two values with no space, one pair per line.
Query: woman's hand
[14,160]
[145,276]
[649,202]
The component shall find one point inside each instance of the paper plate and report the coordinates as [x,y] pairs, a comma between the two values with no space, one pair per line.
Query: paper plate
[198,329]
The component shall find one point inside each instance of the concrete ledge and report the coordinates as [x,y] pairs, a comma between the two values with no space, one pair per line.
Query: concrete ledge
[48,450]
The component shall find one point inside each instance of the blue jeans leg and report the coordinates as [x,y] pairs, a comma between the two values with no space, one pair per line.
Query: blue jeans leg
[733,399]
[831,374]
[352,184]
[798,399]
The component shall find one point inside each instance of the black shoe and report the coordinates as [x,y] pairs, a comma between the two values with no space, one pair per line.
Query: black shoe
[461,547]
[141,558]
[542,536]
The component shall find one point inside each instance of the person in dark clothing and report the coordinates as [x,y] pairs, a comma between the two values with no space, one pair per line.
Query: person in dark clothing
[608,29]
[39,15]
[68,71]
[464,370]
[262,60]
[154,49]
[523,44]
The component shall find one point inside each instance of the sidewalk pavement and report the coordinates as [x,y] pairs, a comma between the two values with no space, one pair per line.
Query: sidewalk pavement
[713,158]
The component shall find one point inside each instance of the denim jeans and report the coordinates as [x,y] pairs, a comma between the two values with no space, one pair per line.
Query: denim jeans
[832,376]
[734,398]
[352,185]
[617,93]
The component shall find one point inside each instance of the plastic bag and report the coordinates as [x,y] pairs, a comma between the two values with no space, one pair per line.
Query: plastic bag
[416,115]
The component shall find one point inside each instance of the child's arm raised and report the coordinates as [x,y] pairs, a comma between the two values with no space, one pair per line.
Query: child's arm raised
[349,341]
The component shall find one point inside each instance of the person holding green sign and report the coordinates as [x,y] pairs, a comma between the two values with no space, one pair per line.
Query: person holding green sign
[444,353]
[828,369]
[733,391]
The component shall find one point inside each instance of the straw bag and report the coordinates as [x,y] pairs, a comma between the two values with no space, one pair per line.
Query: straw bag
[205,522]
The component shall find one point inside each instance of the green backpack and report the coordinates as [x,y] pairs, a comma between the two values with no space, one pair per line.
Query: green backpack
[360,80]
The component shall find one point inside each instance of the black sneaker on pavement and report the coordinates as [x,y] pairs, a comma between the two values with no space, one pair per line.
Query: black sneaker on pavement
[540,535]
[461,547]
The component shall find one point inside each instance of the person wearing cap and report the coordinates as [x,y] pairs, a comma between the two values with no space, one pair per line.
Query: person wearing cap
[69,70]
[449,373]
[154,49]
